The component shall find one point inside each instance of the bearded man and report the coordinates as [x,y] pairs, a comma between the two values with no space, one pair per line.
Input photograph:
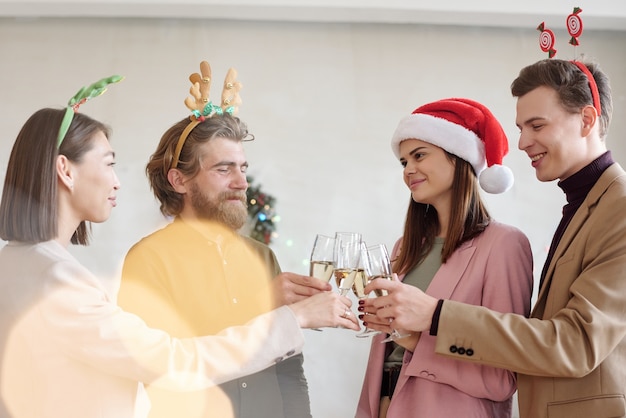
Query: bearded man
[198,275]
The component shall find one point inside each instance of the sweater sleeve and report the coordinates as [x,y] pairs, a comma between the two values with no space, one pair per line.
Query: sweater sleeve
[91,328]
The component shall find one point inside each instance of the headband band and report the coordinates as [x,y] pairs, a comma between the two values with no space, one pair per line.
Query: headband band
[592,85]
[84,94]
[200,105]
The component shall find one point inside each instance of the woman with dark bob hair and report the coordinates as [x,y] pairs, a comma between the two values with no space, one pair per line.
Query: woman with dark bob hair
[66,349]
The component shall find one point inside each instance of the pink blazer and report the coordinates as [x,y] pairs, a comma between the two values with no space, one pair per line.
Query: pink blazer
[492,270]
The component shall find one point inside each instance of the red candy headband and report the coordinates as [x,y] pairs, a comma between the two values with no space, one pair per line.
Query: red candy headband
[592,85]
[575,29]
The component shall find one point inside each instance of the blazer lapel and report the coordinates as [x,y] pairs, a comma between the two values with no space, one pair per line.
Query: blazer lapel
[443,284]
[578,220]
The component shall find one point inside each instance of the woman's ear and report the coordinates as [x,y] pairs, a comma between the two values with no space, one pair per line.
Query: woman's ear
[65,174]
[589,119]
[177,180]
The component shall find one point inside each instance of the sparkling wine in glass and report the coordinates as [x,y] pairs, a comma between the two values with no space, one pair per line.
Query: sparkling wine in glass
[360,281]
[346,265]
[322,262]
[358,287]
[322,270]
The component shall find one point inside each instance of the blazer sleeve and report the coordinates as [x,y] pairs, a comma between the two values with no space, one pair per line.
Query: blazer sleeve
[584,319]
[499,277]
[88,326]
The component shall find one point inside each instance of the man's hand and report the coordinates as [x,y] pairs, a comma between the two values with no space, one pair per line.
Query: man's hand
[404,308]
[291,287]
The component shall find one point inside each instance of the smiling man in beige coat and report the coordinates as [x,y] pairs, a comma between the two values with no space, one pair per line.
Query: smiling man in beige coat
[570,355]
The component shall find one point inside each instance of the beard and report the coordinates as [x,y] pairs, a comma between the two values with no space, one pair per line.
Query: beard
[222,209]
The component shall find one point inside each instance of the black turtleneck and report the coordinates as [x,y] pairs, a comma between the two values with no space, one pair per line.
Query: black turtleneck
[576,188]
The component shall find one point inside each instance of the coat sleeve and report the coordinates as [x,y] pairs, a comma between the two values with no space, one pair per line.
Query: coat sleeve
[88,326]
[499,277]
[584,319]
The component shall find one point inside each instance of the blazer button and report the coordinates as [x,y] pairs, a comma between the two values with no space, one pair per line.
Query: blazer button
[469,352]
[453,349]
[461,351]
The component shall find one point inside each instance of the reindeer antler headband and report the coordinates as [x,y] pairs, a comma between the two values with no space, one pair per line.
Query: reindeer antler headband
[84,94]
[200,105]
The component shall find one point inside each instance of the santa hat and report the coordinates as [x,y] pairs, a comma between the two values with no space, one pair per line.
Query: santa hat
[466,129]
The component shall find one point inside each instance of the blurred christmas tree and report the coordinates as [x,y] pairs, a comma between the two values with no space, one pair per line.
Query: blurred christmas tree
[261,216]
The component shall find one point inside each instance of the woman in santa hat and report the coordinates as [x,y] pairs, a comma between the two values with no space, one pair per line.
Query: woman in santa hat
[452,249]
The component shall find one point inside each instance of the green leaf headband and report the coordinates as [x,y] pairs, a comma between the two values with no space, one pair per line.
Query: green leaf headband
[84,94]
[200,105]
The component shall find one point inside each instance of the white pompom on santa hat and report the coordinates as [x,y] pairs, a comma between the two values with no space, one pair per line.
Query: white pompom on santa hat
[466,129]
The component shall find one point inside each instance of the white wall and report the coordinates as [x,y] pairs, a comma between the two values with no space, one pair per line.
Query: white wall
[322,100]
[605,14]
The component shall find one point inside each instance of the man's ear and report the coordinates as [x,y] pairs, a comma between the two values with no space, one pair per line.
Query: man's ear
[177,180]
[64,172]
[589,119]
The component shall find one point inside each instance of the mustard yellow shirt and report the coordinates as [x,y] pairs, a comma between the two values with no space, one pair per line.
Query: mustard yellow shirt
[197,279]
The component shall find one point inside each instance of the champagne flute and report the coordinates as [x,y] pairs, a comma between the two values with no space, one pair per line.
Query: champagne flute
[378,266]
[322,260]
[342,239]
[347,262]
[358,287]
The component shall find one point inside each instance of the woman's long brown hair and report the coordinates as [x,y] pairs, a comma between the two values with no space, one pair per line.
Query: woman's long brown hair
[468,218]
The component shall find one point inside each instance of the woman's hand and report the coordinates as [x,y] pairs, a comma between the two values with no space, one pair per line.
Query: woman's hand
[291,287]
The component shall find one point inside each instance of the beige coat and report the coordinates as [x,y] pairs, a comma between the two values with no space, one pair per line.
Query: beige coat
[571,355]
